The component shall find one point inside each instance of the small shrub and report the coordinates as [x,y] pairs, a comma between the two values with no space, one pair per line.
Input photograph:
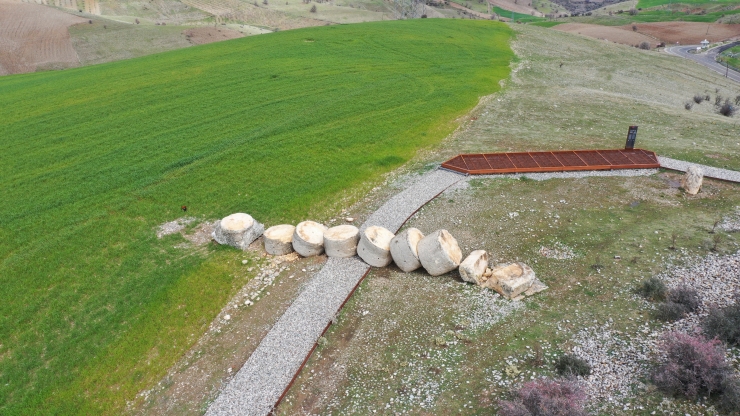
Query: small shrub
[698,99]
[569,365]
[633,12]
[718,100]
[546,397]
[694,366]
[707,97]
[634,28]
[729,402]
[688,106]
[137,21]
[727,109]
[737,100]
[313,9]
[724,324]
[669,311]
[685,296]
[645,46]
[652,289]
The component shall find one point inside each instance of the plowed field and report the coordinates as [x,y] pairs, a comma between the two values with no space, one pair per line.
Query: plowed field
[688,33]
[33,36]
[610,33]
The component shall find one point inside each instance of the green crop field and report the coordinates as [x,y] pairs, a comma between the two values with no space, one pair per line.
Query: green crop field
[93,307]
[652,3]
[519,17]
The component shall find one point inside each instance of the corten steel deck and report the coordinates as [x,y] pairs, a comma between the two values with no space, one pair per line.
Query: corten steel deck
[558,161]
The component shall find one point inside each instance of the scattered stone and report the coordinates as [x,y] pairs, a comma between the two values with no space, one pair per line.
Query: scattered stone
[237,230]
[474,267]
[439,253]
[404,249]
[341,241]
[245,261]
[308,238]
[537,287]
[375,246]
[349,219]
[279,239]
[511,280]
[173,227]
[691,182]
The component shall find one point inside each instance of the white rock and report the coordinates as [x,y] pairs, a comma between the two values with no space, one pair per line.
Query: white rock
[341,241]
[439,253]
[279,239]
[691,182]
[474,267]
[511,280]
[308,238]
[375,246]
[237,230]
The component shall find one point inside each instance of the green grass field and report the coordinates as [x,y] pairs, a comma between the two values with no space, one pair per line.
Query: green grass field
[94,307]
[519,17]
[653,3]
[732,57]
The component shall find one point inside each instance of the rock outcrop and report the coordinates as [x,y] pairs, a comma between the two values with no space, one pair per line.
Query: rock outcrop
[279,239]
[404,249]
[237,230]
[375,246]
[439,253]
[341,241]
[308,238]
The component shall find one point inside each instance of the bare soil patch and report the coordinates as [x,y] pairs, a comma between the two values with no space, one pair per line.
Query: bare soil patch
[203,35]
[248,13]
[610,33]
[516,6]
[34,36]
[687,33]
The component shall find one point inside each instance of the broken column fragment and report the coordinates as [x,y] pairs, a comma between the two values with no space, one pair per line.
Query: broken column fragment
[439,253]
[375,246]
[404,249]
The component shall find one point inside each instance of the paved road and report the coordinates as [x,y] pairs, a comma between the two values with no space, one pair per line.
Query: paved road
[707,59]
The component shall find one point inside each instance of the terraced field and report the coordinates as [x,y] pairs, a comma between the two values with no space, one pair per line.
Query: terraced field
[94,307]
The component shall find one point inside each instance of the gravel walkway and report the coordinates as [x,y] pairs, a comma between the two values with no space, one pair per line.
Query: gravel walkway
[262,380]
[710,172]
[269,370]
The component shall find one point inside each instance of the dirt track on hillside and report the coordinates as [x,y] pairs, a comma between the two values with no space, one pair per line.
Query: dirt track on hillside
[610,33]
[687,33]
[34,36]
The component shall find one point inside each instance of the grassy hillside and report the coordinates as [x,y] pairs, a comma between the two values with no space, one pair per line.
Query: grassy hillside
[93,307]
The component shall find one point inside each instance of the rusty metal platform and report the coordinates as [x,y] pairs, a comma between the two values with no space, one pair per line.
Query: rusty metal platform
[557,161]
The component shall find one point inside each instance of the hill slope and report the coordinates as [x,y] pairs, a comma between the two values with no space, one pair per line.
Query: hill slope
[93,306]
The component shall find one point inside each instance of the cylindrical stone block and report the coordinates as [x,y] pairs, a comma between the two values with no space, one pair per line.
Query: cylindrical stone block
[439,253]
[375,246]
[237,230]
[308,238]
[279,239]
[341,241]
[404,249]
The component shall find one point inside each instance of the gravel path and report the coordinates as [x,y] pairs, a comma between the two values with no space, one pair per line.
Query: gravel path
[264,377]
[710,172]
[269,370]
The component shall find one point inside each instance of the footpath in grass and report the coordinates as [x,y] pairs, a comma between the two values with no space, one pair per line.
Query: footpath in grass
[95,308]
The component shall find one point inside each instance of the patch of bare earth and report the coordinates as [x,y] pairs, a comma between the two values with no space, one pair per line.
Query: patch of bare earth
[610,33]
[687,33]
[251,14]
[516,6]
[203,35]
[33,37]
